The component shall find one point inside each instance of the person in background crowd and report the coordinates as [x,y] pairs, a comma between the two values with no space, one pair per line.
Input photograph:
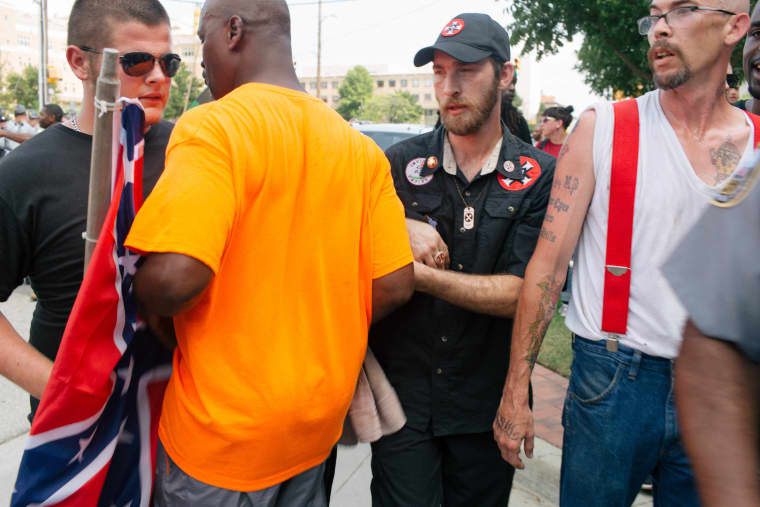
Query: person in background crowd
[474,196]
[34,121]
[50,115]
[554,124]
[511,116]
[732,89]
[619,415]
[17,130]
[272,283]
[44,183]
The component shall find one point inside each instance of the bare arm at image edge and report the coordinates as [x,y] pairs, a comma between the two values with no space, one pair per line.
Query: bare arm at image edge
[21,363]
[717,393]
[545,275]
[391,291]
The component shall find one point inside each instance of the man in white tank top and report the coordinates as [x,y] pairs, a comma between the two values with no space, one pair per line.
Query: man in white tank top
[619,417]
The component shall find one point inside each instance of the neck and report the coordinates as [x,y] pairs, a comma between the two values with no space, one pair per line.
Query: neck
[558,137]
[753,106]
[471,151]
[696,106]
[86,115]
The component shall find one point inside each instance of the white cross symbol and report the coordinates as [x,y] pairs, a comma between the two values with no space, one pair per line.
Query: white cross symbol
[453,27]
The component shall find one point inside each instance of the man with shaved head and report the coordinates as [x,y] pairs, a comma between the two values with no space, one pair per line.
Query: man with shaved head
[273,238]
[642,172]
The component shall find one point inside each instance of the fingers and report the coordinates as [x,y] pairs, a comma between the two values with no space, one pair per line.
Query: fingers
[529,445]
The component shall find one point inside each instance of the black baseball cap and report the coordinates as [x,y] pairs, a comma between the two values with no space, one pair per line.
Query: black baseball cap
[469,38]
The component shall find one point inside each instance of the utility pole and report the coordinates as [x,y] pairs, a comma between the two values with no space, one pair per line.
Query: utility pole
[319,49]
[42,85]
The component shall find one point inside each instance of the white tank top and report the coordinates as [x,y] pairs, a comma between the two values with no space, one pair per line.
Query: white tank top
[669,200]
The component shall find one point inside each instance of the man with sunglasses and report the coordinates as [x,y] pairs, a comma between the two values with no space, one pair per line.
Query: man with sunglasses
[44,182]
[681,144]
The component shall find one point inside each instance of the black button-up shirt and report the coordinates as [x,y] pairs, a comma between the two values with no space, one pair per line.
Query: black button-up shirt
[447,364]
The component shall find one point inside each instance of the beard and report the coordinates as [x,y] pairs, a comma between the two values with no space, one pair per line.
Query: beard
[673,79]
[470,121]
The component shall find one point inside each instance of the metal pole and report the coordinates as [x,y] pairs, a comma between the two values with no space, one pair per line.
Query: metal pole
[319,49]
[106,92]
[44,42]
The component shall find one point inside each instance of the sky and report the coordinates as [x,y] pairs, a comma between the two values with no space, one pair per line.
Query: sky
[387,33]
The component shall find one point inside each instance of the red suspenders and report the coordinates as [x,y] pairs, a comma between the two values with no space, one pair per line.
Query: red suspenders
[617,272]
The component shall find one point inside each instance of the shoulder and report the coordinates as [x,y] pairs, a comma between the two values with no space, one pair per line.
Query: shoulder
[33,158]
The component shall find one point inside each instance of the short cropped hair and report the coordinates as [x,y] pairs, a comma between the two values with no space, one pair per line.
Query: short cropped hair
[90,21]
[54,110]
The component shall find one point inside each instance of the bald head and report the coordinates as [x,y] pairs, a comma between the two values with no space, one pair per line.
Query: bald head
[246,41]
[266,17]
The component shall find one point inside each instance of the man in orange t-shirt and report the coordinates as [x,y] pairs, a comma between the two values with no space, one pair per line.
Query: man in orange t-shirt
[274,238]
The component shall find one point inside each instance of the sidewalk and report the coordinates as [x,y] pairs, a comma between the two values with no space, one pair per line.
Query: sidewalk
[537,485]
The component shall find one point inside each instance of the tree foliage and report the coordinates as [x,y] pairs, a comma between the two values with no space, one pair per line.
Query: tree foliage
[613,55]
[176,103]
[356,89]
[401,107]
[23,89]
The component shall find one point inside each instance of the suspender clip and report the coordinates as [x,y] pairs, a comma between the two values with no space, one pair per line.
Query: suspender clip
[612,342]
[617,270]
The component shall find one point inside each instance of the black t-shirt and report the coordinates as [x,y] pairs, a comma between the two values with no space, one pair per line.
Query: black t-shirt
[447,364]
[43,212]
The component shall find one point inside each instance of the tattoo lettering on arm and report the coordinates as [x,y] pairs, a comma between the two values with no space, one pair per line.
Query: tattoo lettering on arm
[557,204]
[572,183]
[725,159]
[550,291]
[548,235]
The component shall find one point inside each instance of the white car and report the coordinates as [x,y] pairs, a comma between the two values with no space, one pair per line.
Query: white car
[387,134]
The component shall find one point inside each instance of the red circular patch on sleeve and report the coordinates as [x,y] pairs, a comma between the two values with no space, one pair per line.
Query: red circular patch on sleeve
[454,27]
[532,172]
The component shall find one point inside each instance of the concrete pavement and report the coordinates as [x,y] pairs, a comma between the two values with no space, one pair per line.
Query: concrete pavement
[538,485]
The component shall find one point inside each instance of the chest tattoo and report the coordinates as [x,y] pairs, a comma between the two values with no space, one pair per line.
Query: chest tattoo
[725,159]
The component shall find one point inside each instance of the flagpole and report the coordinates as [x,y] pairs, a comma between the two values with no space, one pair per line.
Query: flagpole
[106,93]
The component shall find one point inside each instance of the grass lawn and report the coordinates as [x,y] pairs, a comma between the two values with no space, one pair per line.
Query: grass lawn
[556,352]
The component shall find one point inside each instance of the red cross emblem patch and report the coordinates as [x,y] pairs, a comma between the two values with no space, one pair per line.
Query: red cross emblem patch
[532,170]
[454,27]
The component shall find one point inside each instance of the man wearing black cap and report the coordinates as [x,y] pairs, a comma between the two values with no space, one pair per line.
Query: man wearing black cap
[475,197]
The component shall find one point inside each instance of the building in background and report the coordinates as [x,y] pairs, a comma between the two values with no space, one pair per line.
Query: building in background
[419,84]
[20,47]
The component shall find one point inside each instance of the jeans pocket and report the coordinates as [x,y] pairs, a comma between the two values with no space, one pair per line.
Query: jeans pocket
[593,377]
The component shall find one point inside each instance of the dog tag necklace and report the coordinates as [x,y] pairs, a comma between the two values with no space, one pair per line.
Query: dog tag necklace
[468,219]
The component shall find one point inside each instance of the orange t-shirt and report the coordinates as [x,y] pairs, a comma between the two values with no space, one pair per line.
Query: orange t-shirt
[296,214]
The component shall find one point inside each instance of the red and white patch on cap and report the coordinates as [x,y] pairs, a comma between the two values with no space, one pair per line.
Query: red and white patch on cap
[531,173]
[454,27]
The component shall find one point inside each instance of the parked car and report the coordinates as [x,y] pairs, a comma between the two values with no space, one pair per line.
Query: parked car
[387,134]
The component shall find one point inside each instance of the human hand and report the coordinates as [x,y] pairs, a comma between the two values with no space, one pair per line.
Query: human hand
[428,247]
[513,423]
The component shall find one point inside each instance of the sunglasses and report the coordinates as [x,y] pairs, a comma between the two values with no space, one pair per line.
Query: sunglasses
[140,63]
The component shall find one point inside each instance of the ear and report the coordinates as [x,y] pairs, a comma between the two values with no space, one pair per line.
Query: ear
[235,29]
[79,63]
[506,75]
[737,29]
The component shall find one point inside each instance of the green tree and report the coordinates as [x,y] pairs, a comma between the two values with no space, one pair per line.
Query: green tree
[179,90]
[401,107]
[23,88]
[613,55]
[356,89]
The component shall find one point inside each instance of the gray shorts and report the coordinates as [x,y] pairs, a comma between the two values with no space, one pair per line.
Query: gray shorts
[173,487]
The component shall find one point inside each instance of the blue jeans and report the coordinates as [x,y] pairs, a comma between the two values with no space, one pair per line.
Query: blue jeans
[620,426]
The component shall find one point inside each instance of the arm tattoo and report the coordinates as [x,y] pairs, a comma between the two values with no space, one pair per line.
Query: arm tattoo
[550,290]
[507,427]
[557,204]
[548,235]
[571,183]
[725,159]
